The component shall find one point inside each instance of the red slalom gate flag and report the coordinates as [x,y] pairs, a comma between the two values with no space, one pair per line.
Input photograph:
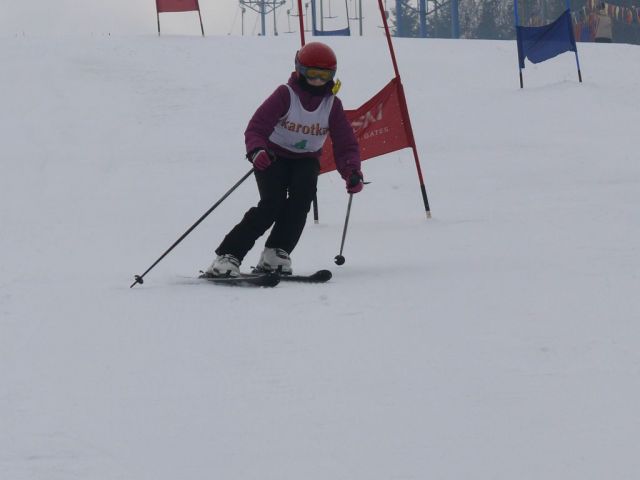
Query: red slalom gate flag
[164,6]
[379,125]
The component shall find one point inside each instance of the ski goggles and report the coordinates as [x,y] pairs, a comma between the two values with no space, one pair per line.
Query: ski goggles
[317,73]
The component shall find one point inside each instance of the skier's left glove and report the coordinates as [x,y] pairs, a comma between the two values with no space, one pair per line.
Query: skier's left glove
[355,182]
[261,160]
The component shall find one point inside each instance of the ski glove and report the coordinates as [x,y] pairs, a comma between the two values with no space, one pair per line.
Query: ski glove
[355,182]
[261,160]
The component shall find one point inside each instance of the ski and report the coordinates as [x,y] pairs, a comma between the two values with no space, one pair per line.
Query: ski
[321,276]
[244,280]
[262,279]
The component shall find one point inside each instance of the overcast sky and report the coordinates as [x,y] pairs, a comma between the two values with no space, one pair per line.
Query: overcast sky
[131,17]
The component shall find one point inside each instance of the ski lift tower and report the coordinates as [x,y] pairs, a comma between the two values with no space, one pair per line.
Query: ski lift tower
[263,7]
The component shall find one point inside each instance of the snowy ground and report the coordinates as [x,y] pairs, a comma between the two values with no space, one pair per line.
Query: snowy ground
[499,340]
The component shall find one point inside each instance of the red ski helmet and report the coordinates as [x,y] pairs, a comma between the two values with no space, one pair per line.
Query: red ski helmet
[316,55]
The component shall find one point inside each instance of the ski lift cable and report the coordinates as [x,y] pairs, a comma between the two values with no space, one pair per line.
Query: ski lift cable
[355,9]
[233,24]
[294,9]
[330,16]
[255,25]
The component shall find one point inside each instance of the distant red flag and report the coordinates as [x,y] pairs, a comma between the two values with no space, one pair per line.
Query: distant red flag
[379,126]
[177,6]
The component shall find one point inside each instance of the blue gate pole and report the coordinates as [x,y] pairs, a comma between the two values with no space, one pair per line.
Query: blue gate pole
[515,12]
[423,18]
[573,36]
[399,19]
[455,20]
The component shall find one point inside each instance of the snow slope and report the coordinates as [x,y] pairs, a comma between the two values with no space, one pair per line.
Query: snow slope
[499,340]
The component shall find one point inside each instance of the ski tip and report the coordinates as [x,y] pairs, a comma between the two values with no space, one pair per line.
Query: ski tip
[324,275]
[321,276]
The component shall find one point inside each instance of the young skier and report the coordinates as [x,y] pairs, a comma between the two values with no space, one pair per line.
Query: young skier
[284,142]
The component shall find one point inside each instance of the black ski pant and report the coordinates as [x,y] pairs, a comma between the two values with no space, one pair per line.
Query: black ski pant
[287,188]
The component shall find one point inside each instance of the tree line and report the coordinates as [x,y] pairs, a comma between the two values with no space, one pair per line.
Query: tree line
[494,19]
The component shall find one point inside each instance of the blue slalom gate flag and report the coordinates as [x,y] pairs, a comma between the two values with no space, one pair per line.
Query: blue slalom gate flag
[542,43]
[345,32]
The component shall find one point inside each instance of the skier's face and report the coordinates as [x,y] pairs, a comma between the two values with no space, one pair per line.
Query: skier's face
[316,76]
[316,82]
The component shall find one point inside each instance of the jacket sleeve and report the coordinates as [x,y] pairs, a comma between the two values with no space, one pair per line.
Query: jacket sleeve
[346,150]
[265,119]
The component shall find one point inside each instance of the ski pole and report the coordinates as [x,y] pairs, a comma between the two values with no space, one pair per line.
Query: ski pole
[139,278]
[339,259]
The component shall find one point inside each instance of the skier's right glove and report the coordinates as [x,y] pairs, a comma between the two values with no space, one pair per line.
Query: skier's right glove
[261,160]
[355,182]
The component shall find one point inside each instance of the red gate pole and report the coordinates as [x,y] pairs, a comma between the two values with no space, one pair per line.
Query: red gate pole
[301,21]
[200,16]
[158,15]
[405,111]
